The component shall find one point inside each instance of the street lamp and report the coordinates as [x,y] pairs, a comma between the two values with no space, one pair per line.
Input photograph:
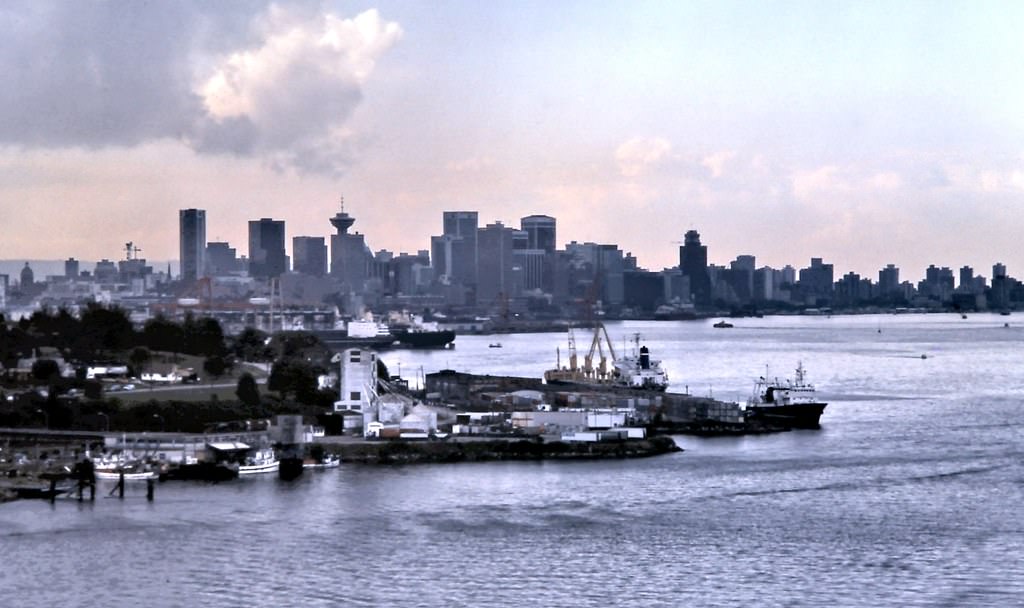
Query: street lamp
[106,421]
[162,425]
[46,417]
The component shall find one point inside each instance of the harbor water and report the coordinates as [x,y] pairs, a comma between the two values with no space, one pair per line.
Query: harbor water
[909,495]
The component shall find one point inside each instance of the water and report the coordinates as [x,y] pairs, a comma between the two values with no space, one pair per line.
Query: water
[909,496]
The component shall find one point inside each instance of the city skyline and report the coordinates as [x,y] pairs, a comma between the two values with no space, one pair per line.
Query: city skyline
[861,134]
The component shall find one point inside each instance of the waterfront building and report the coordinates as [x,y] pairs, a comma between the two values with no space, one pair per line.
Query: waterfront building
[309,255]
[937,284]
[889,281]
[192,243]
[816,282]
[267,258]
[693,262]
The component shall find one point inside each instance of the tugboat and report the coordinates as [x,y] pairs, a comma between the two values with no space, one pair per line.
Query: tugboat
[789,403]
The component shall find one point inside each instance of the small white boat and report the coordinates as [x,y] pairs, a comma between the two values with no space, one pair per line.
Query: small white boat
[263,461]
[328,462]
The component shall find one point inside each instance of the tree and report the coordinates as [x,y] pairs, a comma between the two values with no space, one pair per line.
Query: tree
[247,391]
[139,358]
[251,345]
[163,335]
[45,370]
[293,376]
[215,366]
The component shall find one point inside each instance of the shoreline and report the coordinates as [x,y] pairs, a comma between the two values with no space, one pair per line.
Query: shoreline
[498,449]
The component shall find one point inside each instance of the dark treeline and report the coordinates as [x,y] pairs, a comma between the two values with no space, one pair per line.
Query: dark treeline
[103,333]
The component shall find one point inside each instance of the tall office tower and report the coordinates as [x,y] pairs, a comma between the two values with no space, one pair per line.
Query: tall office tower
[456,252]
[309,255]
[889,281]
[541,231]
[998,270]
[71,268]
[495,243]
[538,259]
[192,243]
[267,258]
[693,262]
[350,257]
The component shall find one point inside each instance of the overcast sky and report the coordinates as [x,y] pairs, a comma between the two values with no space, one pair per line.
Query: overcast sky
[862,132]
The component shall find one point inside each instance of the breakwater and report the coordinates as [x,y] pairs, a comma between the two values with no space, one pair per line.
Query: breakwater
[409,452]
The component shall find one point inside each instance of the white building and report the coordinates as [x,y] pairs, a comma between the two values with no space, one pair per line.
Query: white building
[357,381]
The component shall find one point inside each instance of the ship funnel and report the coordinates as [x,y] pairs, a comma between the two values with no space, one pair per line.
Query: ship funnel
[645,358]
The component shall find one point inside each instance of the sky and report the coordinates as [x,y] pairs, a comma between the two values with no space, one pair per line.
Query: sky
[865,133]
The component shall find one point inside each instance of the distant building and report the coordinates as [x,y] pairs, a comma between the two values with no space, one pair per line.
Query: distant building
[454,254]
[71,268]
[222,259]
[267,258]
[350,257]
[693,262]
[816,282]
[27,277]
[309,255]
[496,264]
[192,243]
[889,281]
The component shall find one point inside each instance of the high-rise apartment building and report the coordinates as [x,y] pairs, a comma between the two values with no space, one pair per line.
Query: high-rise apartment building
[267,258]
[192,243]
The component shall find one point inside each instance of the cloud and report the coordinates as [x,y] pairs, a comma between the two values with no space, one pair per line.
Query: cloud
[638,154]
[715,163]
[224,78]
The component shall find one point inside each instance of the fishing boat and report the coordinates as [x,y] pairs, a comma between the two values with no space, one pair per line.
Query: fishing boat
[260,461]
[116,467]
[791,403]
[722,325]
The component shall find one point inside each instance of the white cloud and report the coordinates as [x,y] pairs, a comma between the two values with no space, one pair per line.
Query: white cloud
[289,97]
[809,184]
[638,154]
[716,162]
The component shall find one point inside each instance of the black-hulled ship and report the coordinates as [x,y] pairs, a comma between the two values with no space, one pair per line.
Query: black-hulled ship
[786,403]
[417,333]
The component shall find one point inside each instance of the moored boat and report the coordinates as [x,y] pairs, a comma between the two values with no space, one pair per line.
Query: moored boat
[261,461]
[789,403]
[637,371]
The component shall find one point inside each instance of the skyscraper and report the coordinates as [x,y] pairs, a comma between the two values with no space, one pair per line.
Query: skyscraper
[192,243]
[309,255]
[454,254]
[693,262]
[541,231]
[71,268]
[267,257]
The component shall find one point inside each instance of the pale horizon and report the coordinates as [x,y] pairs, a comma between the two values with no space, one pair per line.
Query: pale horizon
[864,134]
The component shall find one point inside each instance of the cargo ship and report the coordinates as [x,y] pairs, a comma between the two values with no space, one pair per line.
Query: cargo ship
[637,371]
[788,403]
